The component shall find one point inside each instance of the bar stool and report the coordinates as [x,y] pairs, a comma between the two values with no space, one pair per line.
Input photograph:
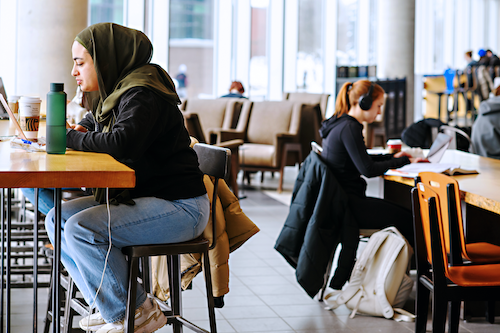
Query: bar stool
[450,90]
[215,162]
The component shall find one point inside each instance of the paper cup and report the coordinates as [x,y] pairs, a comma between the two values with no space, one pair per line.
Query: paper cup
[14,106]
[29,116]
[394,146]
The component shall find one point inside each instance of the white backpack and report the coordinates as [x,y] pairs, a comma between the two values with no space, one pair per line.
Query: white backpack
[379,283]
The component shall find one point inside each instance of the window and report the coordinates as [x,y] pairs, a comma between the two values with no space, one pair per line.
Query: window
[191,48]
[346,33]
[191,19]
[438,35]
[310,47]
[258,50]
[106,11]
[357,32]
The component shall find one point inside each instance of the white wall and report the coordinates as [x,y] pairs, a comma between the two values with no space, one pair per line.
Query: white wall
[37,38]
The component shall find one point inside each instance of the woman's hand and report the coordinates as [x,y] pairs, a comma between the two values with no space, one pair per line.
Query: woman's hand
[79,128]
[412,159]
[401,154]
[419,160]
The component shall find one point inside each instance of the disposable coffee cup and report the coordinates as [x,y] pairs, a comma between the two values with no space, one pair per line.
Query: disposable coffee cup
[29,116]
[14,107]
[394,146]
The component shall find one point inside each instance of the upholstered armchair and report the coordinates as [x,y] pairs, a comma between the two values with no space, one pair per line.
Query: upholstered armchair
[271,131]
[195,130]
[215,115]
[309,98]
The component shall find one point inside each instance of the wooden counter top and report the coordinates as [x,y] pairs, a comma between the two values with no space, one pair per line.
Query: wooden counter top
[481,190]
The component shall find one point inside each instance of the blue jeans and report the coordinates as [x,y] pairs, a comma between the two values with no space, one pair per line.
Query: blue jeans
[45,198]
[84,242]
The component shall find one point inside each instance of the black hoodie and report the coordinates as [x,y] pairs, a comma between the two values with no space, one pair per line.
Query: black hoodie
[345,153]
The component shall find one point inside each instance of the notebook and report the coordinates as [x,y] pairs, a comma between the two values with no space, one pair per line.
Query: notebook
[434,156]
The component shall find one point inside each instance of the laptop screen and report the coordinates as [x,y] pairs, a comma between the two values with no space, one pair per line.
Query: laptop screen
[3,112]
[438,147]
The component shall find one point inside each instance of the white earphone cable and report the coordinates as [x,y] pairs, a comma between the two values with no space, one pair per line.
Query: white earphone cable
[105,261]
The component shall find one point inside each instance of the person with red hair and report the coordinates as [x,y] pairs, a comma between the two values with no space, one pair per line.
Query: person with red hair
[344,151]
[236,90]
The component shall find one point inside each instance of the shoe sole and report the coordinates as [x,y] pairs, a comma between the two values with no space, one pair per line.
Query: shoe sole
[92,328]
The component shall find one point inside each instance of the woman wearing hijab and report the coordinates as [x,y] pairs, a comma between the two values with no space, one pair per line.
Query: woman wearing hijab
[135,119]
[345,153]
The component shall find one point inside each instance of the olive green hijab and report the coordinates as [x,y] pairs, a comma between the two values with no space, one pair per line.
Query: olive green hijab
[122,61]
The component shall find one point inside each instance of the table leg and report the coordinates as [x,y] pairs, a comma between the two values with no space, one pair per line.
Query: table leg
[8,258]
[439,105]
[56,279]
[2,220]
[35,265]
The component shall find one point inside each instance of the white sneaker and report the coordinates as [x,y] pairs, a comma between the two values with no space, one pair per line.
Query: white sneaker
[92,322]
[148,318]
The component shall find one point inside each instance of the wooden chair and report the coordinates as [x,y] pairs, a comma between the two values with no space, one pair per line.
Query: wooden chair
[449,283]
[448,193]
[214,161]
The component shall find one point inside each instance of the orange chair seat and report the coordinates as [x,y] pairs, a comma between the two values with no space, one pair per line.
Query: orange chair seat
[483,252]
[475,276]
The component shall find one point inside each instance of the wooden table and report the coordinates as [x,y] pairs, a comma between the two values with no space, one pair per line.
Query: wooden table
[22,169]
[481,190]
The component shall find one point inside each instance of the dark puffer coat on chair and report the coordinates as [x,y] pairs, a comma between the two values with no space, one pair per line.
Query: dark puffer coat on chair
[319,219]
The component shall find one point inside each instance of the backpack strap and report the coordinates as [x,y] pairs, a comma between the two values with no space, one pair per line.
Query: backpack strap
[396,245]
[403,315]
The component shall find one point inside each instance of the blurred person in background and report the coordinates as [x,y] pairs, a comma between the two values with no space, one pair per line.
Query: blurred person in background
[236,90]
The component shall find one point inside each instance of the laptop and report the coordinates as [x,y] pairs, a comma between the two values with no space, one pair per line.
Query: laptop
[5,106]
[438,147]
[3,112]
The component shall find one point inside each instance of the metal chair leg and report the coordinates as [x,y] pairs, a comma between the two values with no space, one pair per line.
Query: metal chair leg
[210,296]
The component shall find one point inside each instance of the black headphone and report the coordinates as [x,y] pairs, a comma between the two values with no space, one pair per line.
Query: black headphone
[365,101]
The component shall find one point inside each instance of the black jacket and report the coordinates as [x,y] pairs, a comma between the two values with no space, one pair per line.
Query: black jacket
[344,151]
[148,136]
[319,219]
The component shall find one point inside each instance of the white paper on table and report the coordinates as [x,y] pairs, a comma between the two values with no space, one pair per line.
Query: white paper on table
[413,169]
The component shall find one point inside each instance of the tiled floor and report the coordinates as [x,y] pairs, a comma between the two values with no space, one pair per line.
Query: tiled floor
[264,295]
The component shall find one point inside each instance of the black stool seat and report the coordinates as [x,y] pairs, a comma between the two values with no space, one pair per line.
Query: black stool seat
[197,245]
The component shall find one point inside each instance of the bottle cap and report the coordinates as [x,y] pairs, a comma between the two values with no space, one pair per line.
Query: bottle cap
[57,87]
[14,99]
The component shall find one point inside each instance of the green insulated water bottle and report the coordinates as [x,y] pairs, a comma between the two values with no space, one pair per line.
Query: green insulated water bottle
[56,119]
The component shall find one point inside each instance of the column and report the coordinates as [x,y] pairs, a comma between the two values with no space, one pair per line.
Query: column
[395,49]
[45,32]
